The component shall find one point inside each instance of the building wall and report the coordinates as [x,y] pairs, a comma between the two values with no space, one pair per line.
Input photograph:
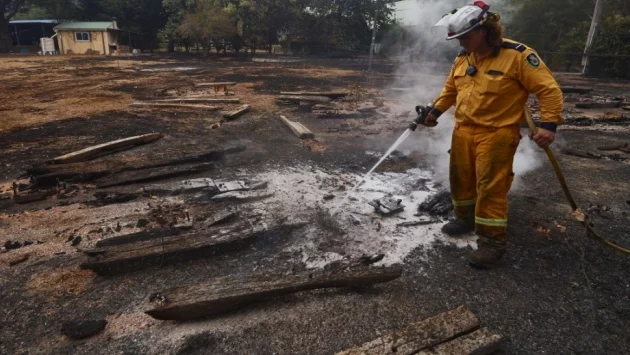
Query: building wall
[98,44]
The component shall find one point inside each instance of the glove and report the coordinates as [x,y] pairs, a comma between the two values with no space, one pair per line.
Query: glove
[424,118]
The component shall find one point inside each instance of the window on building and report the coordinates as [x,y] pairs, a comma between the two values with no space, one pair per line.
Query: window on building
[82,36]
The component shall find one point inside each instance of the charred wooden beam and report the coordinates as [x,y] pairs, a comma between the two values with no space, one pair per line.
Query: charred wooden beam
[216,155]
[146,175]
[142,104]
[200,100]
[330,94]
[209,186]
[94,151]
[104,198]
[142,236]
[32,197]
[229,83]
[340,114]
[51,179]
[226,294]
[298,129]
[91,170]
[311,99]
[232,115]
[139,255]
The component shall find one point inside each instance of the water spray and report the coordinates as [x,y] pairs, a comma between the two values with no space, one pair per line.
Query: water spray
[423,112]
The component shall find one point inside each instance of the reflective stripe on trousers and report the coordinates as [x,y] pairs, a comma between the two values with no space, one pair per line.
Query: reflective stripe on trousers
[481,176]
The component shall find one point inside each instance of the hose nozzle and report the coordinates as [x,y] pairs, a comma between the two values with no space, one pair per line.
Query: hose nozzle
[423,112]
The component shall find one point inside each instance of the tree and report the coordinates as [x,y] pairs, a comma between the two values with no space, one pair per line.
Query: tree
[545,25]
[8,8]
[175,11]
[563,25]
[211,23]
[145,17]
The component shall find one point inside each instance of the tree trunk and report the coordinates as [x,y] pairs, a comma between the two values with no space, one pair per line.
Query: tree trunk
[5,37]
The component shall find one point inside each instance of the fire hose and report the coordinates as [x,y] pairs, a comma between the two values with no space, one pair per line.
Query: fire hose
[423,111]
[563,183]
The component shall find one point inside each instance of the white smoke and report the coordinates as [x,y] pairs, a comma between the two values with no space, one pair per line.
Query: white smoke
[422,69]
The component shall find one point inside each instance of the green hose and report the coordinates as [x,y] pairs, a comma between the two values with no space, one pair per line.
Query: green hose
[563,183]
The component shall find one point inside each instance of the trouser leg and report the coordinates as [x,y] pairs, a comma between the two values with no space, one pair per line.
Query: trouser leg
[494,157]
[462,173]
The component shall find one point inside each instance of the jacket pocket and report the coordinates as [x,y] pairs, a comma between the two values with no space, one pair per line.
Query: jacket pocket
[492,84]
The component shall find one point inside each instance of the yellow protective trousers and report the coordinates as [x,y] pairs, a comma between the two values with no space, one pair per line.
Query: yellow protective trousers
[481,176]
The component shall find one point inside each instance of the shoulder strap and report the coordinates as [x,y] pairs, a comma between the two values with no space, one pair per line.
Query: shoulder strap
[512,45]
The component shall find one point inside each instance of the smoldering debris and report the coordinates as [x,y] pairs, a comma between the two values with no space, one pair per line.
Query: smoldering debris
[438,204]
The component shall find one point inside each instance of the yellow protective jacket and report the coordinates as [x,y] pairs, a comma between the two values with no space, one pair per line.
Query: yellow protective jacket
[496,95]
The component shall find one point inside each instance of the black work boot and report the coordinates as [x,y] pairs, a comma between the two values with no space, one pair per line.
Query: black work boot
[487,254]
[459,227]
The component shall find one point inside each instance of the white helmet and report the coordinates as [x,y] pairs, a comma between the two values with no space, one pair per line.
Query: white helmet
[461,21]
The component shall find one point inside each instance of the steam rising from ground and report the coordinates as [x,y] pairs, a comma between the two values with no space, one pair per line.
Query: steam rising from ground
[421,72]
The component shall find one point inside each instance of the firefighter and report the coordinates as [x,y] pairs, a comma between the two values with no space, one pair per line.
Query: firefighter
[489,84]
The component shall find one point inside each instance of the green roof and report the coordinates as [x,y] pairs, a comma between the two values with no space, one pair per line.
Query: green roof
[93,26]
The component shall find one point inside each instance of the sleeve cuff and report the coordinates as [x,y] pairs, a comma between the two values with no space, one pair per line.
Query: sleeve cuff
[549,126]
[437,113]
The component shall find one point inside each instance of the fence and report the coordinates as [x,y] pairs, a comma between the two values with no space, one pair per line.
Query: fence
[600,65]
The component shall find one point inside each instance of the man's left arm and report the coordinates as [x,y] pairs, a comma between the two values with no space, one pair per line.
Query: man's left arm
[536,77]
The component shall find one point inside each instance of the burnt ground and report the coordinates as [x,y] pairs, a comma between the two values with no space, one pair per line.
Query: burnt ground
[555,292]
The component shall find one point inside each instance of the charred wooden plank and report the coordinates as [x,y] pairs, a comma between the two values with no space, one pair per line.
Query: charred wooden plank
[214,155]
[91,152]
[230,83]
[33,197]
[236,113]
[596,105]
[226,294]
[173,105]
[420,336]
[130,257]
[146,175]
[51,179]
[201,100]
[340,114]
[329,94]
[73,168]
[305,98]
[112,197]
[209,186]
[298,129]
[480,342]
[85,171]
[142,236]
